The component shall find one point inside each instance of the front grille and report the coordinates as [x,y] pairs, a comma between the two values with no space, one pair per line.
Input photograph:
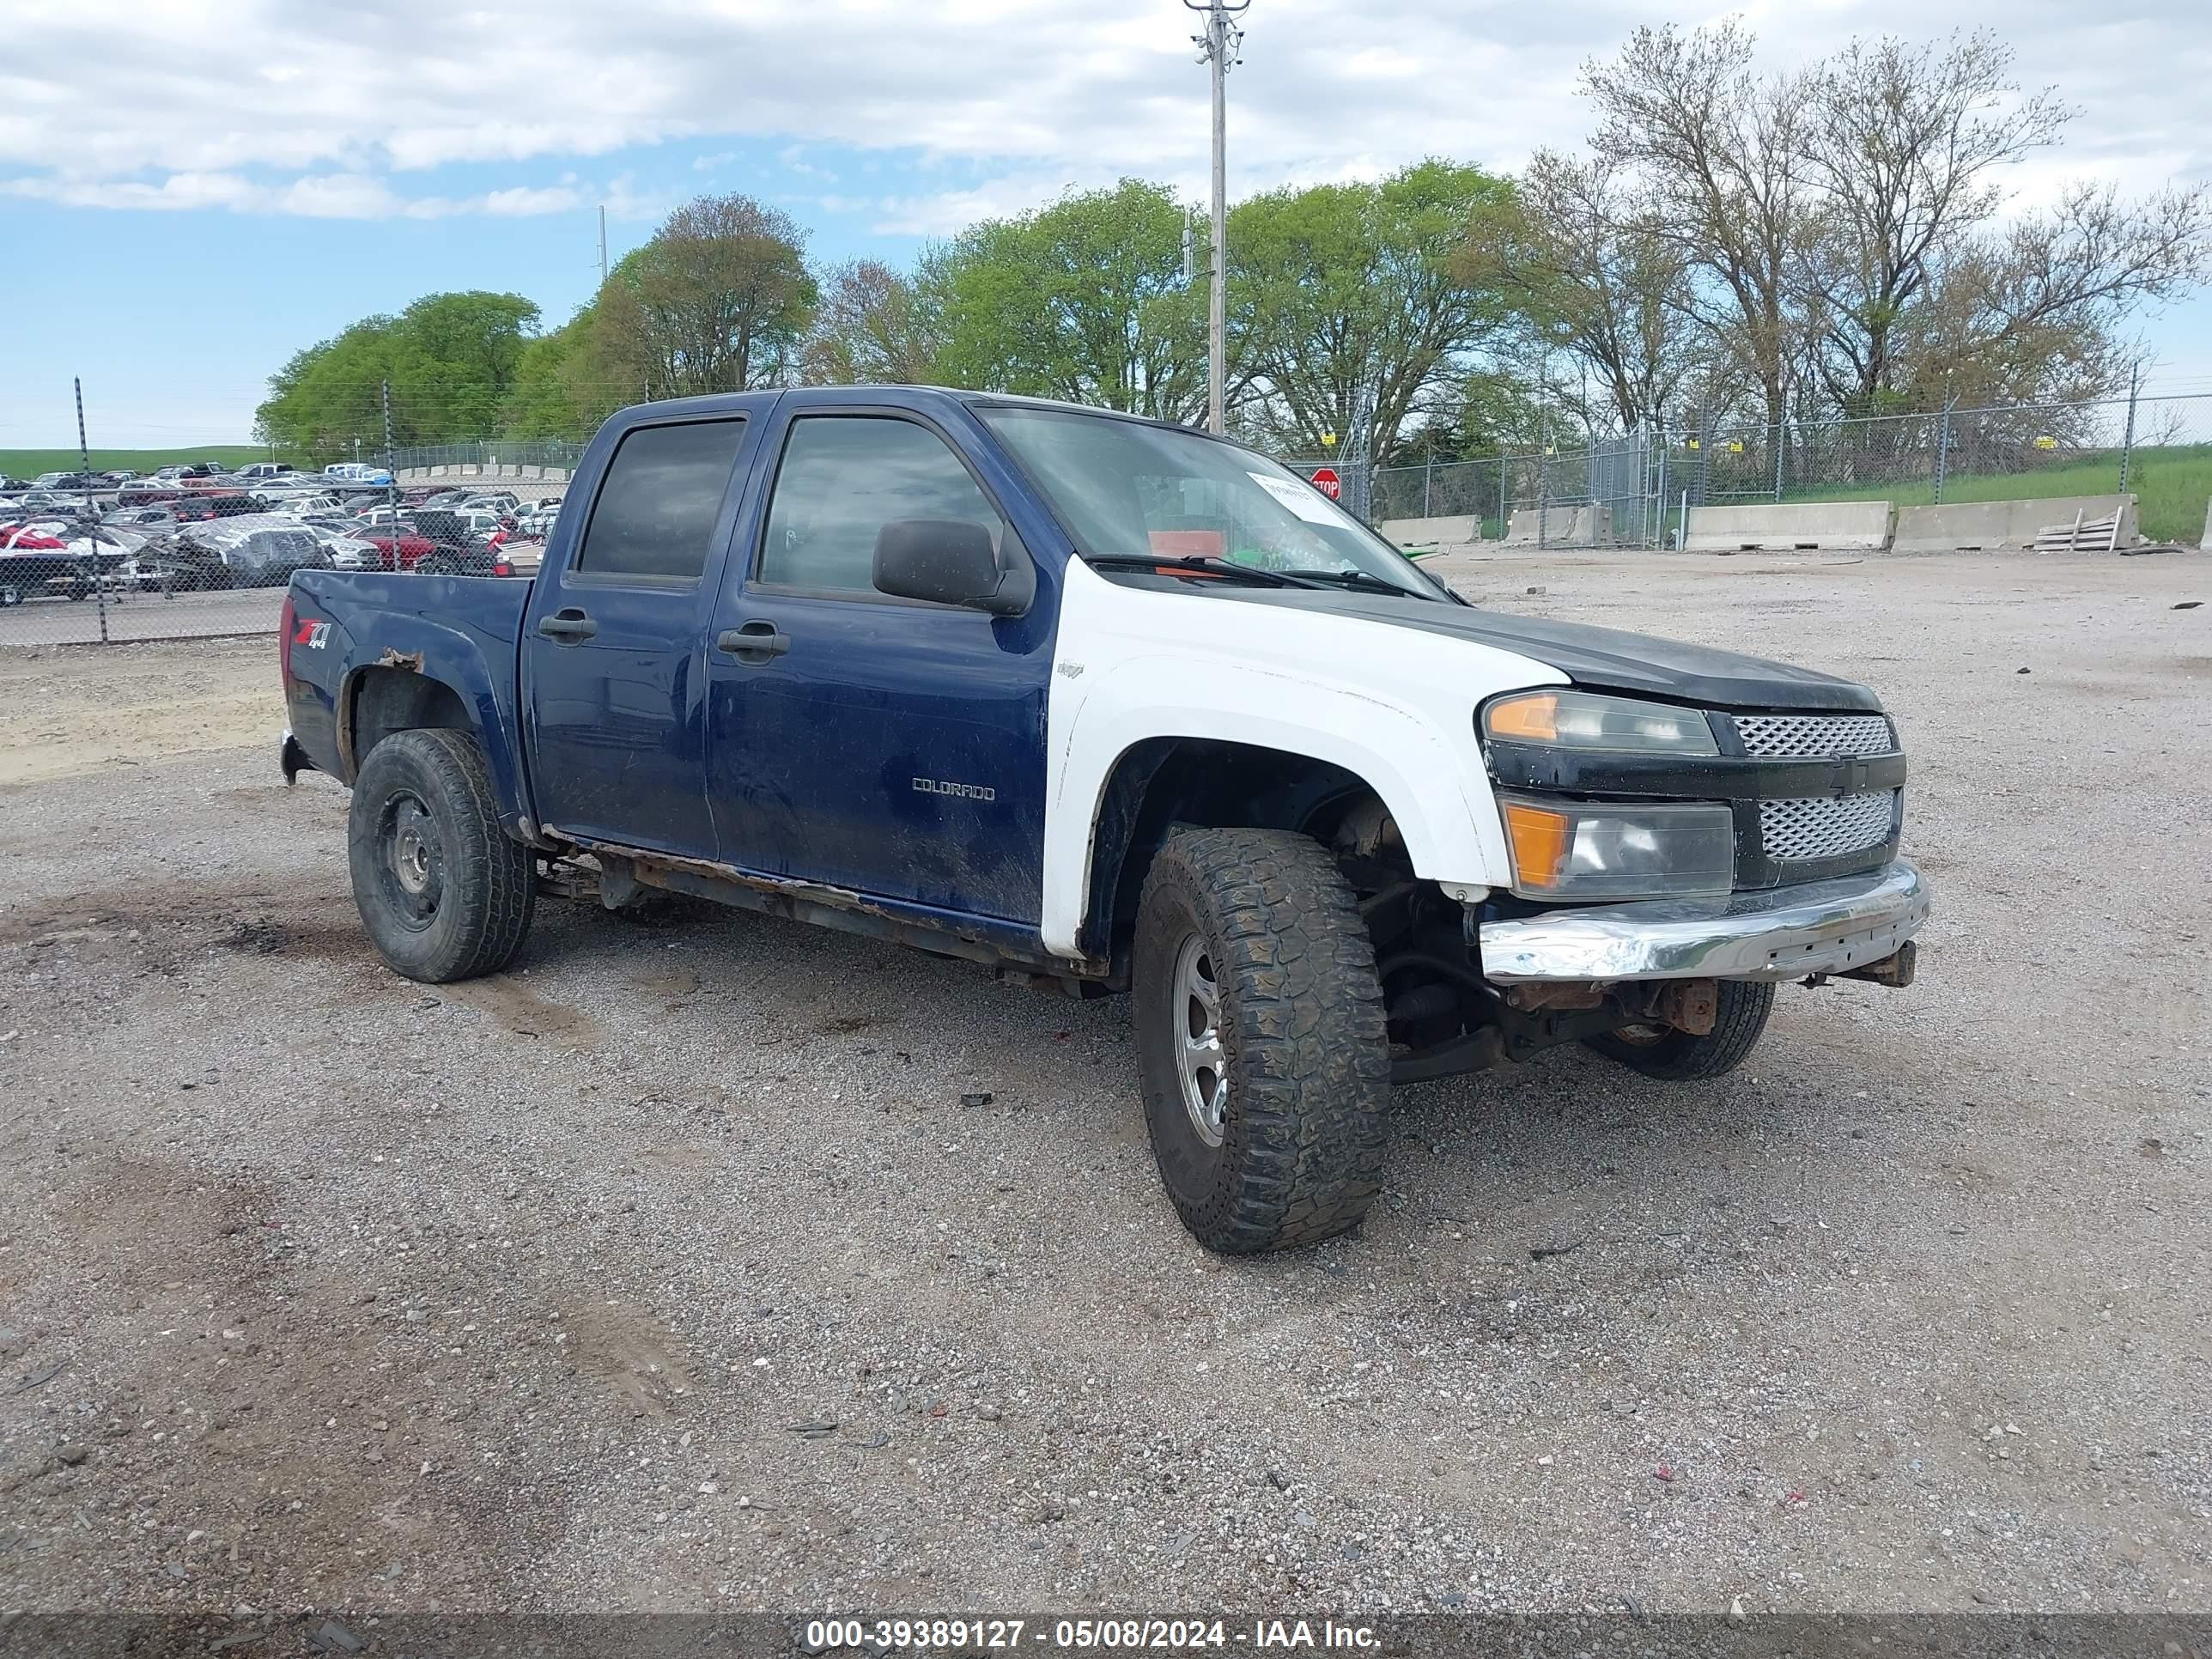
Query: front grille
[1825,826]
[1802,736]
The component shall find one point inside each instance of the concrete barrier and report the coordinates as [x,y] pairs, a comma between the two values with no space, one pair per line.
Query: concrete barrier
[1767,526]
[1966,525]
[1432,532]
[1562,526]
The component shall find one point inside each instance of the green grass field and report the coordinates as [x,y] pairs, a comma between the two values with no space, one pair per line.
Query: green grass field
[29,463]
[2171,486]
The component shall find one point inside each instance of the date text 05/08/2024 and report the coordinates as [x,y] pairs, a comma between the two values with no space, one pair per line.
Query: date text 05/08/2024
[1082,1635]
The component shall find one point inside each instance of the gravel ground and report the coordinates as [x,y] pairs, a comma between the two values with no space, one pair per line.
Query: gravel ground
[141,616]
[727,1263]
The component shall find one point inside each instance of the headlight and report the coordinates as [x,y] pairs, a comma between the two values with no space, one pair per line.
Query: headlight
[1582,719]
[1599,850]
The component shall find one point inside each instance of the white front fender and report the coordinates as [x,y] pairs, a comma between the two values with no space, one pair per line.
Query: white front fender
[1394,706]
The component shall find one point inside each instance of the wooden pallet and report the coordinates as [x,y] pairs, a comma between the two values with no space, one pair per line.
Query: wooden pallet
[2083,535]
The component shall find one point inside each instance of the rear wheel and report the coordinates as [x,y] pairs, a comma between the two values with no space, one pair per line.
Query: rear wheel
[443,890]
[1676,1056]
[1260,1039]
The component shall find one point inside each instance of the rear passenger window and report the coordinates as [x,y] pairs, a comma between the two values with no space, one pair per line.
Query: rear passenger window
[843,479]
[656,510]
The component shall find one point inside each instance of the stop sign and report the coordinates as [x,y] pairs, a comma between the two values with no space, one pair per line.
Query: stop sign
[1326,481]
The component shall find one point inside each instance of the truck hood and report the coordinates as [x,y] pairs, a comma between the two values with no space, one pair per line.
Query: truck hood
[1601,658]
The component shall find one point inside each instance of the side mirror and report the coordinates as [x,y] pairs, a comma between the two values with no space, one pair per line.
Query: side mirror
[950,562]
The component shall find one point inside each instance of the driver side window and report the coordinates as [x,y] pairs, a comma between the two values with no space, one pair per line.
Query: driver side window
[842,479]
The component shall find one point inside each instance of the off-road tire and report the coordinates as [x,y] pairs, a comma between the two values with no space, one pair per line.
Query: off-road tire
[485,883]
[1679,1057]
[1301,1023]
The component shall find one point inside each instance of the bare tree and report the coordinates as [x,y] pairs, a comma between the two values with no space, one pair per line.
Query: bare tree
[2043,302]
[1597,281]
[873,325]
[1902,151]
[1718,151]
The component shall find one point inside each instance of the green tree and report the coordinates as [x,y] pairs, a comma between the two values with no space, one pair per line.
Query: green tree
[1345,297]
[717,300]
[450,360]
[1084,300]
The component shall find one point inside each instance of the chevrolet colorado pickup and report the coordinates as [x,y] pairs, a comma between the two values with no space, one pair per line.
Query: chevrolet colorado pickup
[1118,706]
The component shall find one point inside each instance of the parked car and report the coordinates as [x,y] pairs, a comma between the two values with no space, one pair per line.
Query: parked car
[535,519]
[234,553]
[61,558]
[1122,706]
[401,551]
[199,506]
[263,471]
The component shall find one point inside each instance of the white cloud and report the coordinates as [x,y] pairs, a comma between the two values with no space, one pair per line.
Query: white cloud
[318,195]
[176,116]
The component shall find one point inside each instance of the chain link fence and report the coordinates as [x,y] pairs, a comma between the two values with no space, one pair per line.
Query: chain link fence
[192,549]
[196,552]
[2159,448]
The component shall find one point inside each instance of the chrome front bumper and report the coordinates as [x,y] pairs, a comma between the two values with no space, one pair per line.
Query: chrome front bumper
[1785,932]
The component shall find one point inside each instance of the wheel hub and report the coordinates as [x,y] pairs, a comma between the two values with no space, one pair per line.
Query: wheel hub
[410,857]
[415,857]
[1201,1065]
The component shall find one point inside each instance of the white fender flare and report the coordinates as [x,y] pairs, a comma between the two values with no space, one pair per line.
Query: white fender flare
[1393,706]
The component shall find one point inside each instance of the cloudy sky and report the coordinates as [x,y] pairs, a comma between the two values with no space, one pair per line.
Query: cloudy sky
[190,192]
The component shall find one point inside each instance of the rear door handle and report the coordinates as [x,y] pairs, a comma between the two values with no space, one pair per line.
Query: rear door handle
[569,626]
[755,642]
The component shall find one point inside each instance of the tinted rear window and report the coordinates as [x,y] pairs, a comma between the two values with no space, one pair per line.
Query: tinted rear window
[655,513]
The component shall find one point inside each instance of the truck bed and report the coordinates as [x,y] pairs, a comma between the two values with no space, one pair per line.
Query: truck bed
[461,631]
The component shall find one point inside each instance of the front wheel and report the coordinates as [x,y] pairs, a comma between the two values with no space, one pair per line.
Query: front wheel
[1676,1056]
[445,893]
[1260,1032]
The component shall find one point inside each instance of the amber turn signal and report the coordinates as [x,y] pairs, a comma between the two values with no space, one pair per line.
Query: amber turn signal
[1539,839]
[1526,720]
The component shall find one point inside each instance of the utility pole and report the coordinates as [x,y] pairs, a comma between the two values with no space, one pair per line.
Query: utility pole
[603,245]
[1218,48]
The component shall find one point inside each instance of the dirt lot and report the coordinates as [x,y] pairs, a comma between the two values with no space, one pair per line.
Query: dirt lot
[733,1264]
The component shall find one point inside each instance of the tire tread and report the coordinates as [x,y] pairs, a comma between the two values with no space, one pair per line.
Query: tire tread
[1307,1036]
[491,878]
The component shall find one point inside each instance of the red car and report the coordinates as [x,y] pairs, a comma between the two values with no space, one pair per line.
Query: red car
[413,548]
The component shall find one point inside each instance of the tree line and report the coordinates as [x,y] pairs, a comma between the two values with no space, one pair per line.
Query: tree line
[1732,244]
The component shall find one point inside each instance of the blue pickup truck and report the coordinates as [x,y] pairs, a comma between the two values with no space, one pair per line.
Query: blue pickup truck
[1116,705]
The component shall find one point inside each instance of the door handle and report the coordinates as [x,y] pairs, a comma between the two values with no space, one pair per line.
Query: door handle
[755,642]
[569,626]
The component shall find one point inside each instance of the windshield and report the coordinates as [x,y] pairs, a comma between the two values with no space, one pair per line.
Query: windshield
[1127,490]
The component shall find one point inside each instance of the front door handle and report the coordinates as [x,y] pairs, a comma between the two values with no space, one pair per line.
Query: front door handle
[755,642]
[569,626]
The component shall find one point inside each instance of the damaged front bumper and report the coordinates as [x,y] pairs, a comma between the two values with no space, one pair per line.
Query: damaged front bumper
[1834,927]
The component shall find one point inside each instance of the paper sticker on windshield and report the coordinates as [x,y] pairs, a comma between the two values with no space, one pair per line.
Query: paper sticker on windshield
[1308,504]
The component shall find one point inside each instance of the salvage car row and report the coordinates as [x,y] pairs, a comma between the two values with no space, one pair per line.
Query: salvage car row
[182,535]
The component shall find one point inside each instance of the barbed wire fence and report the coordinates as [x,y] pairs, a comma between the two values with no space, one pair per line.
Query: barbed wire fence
[93,559]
